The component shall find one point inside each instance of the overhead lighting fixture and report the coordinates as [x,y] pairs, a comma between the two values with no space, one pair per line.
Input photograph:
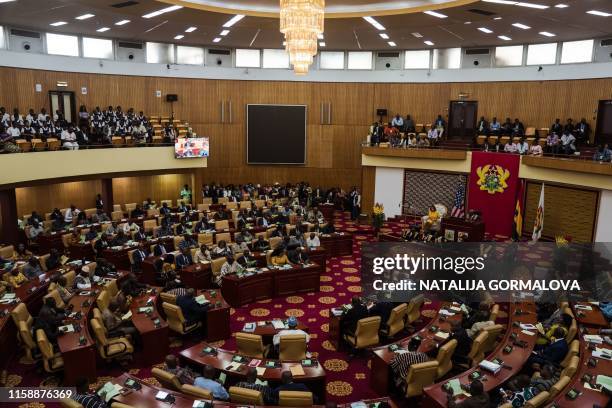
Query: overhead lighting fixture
[375,23]
[468,22]
[497,18]
[533,5]
[84,17]
[384,36]
[103,29]
[561,5]
[546,34]
[216,40]
[58,23]
[500,2]
[322,44]
[522,26]
[428,42]
[435,14]
[320,36]
[503,37]
[162,11]
[485,30]
[179,37]
[122,22]
[7,1]
[191,29]
[224,33]
[417,35]
[599,13]
[233,20]
[301,22]
[392,44]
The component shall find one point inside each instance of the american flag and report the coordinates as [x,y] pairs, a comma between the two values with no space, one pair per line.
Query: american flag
[459,208]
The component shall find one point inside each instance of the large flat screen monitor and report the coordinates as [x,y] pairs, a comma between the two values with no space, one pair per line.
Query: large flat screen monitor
[191,148]
[276,134]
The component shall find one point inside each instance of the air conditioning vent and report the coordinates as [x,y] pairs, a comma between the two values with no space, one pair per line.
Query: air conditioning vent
[24,33]
[477,51]
[607,42]
[124,4]
[481,12]
[135,46]
[219,52]
[388,54]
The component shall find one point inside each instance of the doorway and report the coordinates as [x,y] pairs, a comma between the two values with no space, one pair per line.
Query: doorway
[462,119]
[603,131]
[63,101]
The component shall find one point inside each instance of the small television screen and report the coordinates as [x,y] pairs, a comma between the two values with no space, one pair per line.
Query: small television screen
[187,148]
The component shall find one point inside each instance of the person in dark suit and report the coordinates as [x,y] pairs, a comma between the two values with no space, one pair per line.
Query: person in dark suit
[137,212]
[358,311]
[246,260]
[583,132]
[297,256]
[184,259]
[49,319]
[464,342]
[138,256]
[159,249]
[287,384]
[192,310]
[261,244]
[382,309]
[478,397]
[53,261]
[557,127]
[102,244]
[554,353]
[165,210]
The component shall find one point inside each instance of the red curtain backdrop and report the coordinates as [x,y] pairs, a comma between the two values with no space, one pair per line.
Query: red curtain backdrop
[493,185]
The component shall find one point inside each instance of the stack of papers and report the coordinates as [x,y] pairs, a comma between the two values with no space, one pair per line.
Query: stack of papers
[127,316]
[249,327]
[161,395]
[455,385]
[593,338]
[202,300]
[603,353]
[490,366]
[66,329]
[528,326]
[445,312]
[233,366]
[109,391]
[442,335]
[278,324]
[297,370]
[605,381]
[260,371]
[583,307]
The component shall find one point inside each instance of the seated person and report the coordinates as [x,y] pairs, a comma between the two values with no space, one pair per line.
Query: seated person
[185,375]
[187,242]
[221,250]
[82,280]
[87,398]
[313,241]
[120,239]
[137,212]
[131,286]
[62,289]
[553,353]
[35,230]
[138,256]
[568,143]
[432,135]
[113,323]
[159,249]
[511,147]
[548,376]
[49,318]
[165,210]
[382,309]
[184,259]
[208,382]
[112,229]
[478,397]
[357,312]
[403,359]
[164,230]
[32,269]
[21,253]
[423,141]
[297,256]
[202,255]
[522,146]
[287,384]
[552,143]
[603,153]
[252,383]
[564,321]
[536,149]
[91,234]
[16,278]
[481,321]
[230,266]
[130,227]
[433,216]
[192,310]
[53,261]
[261,244]
[246,260]
[292,323]
[279,257]
[494,127]
[519,391]
[464,342]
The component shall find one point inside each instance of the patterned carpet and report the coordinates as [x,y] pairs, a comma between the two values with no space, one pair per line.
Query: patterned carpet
[346,380]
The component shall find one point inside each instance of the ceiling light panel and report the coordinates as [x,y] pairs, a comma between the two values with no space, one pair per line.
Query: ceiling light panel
[233,20]
[375,23]
[435,14]
[162,11]
[84,16]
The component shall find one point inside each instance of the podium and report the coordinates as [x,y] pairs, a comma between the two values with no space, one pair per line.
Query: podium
[462,230]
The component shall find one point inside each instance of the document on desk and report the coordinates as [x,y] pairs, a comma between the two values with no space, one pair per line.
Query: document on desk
[593,338]
[583,307]
[606,354]
[161,395]
[527,332]
[278,324]
[127,316]
[297,370]
[605,381]
[66,329]
[260,371]
[202,300]
[528,326]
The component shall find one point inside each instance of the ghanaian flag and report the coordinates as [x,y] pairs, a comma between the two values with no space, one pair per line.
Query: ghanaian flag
[517,230]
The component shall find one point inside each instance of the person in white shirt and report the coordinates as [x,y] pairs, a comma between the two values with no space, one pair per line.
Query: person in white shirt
[511,147]
[42,116]
[292,324]
[522,146]
[432,135]
[536,149]
[82,281]
[69,138]
[71,214]
[230,266]
[568,143]
[129,227]
[397,122]
[5,118]
[13,131]
[313,241]
[30,117]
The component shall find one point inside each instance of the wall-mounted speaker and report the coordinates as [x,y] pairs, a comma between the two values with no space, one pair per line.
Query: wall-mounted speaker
[171,98]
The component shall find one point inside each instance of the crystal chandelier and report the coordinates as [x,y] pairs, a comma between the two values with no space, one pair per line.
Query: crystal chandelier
[301,21]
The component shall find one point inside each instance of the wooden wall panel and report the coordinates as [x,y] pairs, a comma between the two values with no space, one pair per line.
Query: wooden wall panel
[44,198]
[333,154]
[567,211]
[368,188]
[158,187]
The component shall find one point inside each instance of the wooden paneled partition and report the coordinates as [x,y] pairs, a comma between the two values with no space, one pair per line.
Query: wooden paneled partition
[43,198]
[157,187]
[333,151]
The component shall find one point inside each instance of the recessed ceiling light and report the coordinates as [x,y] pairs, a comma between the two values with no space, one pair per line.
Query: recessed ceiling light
[7,1]
[532,5]
[102,29]
[58,23]
[162,11]
[233,20]
[178,37]
[428,42]
[322,44]
[468,22]
[497,18]
[435,14]
[523,26]
[320,36]
[547,34]
[485,30]
[224,33]
[375,23]
[500,1]
[84,16]
[216,40]
[599,13]
[392,44]
[561,5]
[503,37]
[122,22]
[384,36]
[191,29]
[417,35]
